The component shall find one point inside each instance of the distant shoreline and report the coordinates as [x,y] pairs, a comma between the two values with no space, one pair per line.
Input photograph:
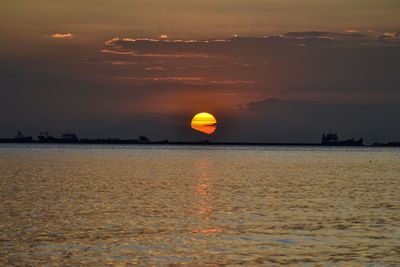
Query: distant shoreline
[198,143]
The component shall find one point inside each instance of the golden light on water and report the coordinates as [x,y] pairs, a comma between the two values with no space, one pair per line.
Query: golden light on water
[202,199]
[204,122]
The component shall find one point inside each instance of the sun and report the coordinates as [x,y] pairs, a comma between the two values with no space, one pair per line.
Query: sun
[204,122]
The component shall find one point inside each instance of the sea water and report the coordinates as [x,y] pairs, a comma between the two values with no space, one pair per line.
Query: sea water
[198,205]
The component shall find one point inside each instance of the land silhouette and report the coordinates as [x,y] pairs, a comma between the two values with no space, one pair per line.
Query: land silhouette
[329,139]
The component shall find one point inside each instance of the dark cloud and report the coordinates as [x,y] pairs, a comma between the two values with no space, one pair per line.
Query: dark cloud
[305,61]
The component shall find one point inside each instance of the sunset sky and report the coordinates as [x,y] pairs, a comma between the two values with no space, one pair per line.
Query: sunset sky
[269,70]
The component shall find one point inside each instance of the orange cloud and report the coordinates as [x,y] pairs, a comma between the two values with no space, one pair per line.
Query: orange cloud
[137,54]
[351,31]
[194,80]
[62,35]
[390,34]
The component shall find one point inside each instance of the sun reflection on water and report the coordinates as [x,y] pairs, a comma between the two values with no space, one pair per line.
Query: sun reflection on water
[202,198]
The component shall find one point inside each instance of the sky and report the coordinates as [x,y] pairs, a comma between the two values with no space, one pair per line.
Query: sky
[269,71]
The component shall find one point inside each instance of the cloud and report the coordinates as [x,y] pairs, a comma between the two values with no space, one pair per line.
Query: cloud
[351,30]
[286,104]
[191,80]
[312,62]
[162,47]
[350,38]
[62,35]
[159,55]
[154,68]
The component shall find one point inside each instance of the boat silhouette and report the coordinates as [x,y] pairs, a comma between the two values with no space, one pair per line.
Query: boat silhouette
[68,137]
[332,139]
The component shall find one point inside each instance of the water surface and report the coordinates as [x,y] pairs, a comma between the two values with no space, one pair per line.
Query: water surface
[167,205]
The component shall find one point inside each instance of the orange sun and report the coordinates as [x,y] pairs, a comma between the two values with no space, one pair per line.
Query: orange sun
[204,122]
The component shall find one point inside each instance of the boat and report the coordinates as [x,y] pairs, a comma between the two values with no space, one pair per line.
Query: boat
[332,139]
[20,138]
[68,137]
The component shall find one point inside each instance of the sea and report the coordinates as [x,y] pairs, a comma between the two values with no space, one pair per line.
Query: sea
[149,205]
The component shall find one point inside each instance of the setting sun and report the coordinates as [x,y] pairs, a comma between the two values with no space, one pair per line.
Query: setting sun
[204,122]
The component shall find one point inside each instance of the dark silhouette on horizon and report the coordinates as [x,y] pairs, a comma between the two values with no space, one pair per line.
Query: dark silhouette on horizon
[20,138]
[68,137]
[330,139]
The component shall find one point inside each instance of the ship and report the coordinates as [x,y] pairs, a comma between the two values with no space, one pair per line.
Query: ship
[332,139]
[143,139]
[19,137]
[44,137]
[68,137]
